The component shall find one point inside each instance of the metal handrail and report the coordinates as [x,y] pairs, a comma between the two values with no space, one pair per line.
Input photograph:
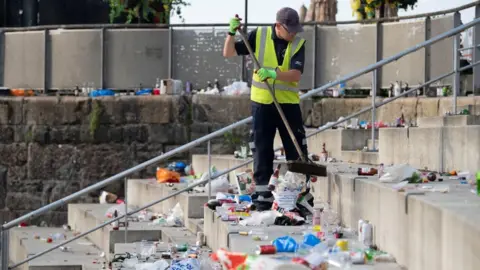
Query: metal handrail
[373,67]
[166,26]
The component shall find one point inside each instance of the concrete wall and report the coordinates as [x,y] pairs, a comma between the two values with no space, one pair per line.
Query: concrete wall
[51,147]
[126,58]
[437,148]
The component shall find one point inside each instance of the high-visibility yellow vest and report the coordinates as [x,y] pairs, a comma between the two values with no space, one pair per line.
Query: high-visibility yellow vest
[285,92]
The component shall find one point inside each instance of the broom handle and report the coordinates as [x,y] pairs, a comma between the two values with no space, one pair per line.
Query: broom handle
[280,111]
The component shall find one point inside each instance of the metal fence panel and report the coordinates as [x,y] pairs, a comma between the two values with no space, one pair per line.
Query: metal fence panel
[74,58]
[441,58]
[24,59]
[396,38]
[198,57]
[136,56]
[345,49]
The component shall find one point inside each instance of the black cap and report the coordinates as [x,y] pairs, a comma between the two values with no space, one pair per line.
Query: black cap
[289,18]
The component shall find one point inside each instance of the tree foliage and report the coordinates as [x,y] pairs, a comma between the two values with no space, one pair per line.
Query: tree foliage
[145,10]
[366,8]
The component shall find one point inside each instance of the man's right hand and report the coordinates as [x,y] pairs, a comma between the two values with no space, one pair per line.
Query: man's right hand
[234,25]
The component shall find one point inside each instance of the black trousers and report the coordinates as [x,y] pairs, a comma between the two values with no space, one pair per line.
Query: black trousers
[266,121]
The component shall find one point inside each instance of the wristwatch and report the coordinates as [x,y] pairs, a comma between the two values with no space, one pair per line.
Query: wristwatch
[231,34]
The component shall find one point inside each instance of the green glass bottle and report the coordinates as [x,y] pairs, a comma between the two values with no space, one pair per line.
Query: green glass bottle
[478,183]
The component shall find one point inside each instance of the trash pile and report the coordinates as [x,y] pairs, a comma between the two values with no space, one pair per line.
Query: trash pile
[354,123]
[402,175]
[316,249]
[161,256]
[291,206]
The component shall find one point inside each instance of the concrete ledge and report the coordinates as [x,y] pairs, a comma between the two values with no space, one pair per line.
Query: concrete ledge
[360,157]
[142,192]
[336,140]
[81,256]
[82,217]
[221,162]
[449,121]
[437,148]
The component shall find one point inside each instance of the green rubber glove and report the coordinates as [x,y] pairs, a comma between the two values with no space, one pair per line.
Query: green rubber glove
[234,24]
[265,74]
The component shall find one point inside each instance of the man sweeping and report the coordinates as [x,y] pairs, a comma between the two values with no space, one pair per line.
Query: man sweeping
[281,53]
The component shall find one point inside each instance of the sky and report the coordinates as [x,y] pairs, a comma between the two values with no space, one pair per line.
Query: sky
[263,11]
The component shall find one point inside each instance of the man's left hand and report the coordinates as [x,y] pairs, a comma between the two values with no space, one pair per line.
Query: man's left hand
[266,74]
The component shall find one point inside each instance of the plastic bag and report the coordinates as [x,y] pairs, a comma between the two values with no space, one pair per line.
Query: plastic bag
[262,263]
[237,88]
[166,176]
[173,219]
[397,173]
[158,265]
[188,264]
[285,244]
[107,197]
[266,218]
[219,184]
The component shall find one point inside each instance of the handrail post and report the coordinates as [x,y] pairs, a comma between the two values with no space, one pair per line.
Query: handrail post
[126,209]
[374,109]
[427,55]
[456,63]
[476,54]
[4,237]
[209,151]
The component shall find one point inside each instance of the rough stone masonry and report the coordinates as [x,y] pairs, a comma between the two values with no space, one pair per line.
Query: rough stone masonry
[51,147]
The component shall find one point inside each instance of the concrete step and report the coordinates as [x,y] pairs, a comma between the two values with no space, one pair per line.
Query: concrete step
[449,121]
[360,157]
[195,224]
[225,235]
[221,163]
[82,217]
[405,225]
[370,144]
[161,247]
[142,192]
[82,253]
[178,236]
[336,140]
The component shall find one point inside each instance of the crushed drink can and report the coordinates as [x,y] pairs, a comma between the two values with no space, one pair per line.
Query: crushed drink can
[265,249]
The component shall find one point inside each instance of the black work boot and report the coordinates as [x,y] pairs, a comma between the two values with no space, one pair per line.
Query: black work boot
[262,200]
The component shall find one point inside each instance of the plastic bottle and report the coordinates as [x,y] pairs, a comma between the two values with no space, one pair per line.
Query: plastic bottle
[359,229]
[317,217]
[367,233]
[188,88]
[324,154]
[272,184]
[156,90]
[380,170]
[163,87]
[115,223]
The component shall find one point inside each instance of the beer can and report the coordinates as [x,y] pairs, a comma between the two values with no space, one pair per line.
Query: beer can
[265,249]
